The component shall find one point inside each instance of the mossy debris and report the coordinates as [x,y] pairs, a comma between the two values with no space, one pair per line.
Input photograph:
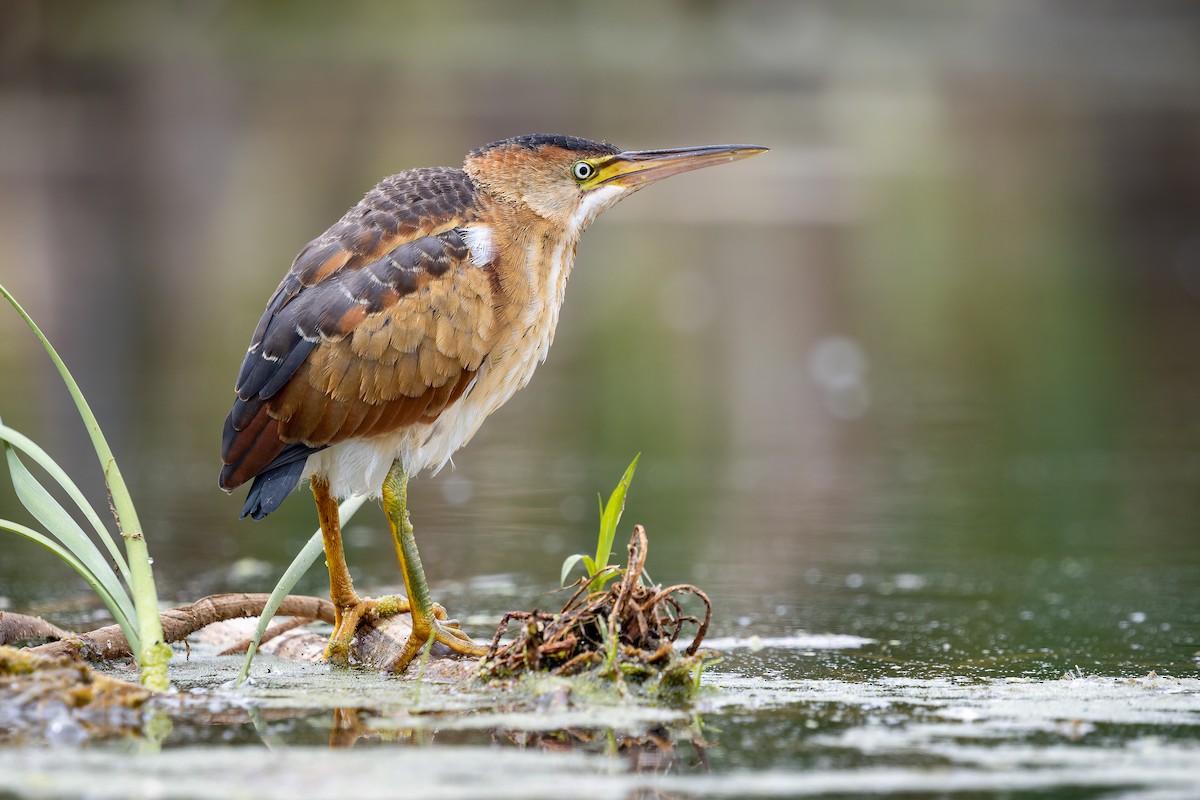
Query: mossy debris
[60,698]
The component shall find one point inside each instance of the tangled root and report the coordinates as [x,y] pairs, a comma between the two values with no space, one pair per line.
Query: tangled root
[628,629]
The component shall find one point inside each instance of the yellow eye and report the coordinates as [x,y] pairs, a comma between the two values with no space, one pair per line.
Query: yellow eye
[582,170]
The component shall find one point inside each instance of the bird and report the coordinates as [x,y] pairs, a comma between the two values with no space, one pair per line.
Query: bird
[401,328]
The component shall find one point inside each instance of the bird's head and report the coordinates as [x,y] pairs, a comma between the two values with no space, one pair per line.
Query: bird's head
[569,181]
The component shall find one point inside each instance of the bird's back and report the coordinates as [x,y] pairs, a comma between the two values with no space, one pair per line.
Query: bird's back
[380,325]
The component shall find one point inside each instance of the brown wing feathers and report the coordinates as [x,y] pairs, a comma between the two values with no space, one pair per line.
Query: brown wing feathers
[380,323]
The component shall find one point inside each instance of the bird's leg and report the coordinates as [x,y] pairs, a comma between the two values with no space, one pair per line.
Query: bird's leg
[349,608]
[428,618]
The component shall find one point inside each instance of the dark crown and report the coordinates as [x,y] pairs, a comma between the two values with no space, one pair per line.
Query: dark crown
[534,141]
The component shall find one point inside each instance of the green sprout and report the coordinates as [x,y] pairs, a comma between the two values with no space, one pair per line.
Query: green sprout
[610,516]
[131,596]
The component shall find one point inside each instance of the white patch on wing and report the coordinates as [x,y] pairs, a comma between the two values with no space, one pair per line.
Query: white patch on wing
[480,243]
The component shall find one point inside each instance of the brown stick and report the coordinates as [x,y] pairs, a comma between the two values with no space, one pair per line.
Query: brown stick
[16,627]
[637,560]
[179,623]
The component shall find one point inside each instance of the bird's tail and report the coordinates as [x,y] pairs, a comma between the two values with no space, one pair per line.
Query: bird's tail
[270,488]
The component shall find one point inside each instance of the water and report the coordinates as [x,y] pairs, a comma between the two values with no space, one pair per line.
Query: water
[915,392]
[881,633]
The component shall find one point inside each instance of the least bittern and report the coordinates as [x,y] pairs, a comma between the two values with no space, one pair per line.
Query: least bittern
[401,328]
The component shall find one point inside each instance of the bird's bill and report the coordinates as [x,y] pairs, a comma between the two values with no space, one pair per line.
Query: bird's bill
[636,168]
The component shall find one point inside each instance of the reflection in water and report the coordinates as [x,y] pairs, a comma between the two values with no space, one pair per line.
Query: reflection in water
[659,750]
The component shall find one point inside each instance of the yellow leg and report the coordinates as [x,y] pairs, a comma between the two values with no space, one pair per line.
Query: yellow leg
[428,618]
[349,608]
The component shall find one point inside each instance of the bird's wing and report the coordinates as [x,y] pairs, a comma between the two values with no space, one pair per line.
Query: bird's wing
[381,322]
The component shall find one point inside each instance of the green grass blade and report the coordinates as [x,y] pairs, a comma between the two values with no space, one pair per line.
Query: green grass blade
[568,563]
[74,563]
[153,654]
[59,524]
[311,551]
[99,443]
[611,516]
[43,460]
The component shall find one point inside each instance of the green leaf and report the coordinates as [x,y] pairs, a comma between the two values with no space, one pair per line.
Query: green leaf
[40,457]
[108,464]
[610,517]
[59,524]
[74,563]
[602,577]
[291,576]
[568,563]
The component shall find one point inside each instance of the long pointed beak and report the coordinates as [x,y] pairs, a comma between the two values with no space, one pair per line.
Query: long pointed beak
[634,169]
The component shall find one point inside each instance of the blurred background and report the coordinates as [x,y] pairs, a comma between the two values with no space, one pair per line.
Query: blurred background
[940,343]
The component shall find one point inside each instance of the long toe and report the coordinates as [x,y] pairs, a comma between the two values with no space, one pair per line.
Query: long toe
[448,634]
[341,642]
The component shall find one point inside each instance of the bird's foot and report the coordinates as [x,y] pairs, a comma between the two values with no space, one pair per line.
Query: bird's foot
[354,613]
[436,627]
